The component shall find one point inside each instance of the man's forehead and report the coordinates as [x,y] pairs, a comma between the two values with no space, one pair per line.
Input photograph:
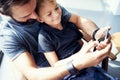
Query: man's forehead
[23,10]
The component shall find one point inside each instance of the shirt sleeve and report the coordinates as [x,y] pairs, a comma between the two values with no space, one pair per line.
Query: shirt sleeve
[10,44]
[44,43]
[65,14]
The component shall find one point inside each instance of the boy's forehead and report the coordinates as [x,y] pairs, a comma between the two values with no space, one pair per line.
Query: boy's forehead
[42,2]
[48,7]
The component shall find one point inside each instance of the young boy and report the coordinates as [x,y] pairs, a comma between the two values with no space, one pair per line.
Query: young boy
[58,38]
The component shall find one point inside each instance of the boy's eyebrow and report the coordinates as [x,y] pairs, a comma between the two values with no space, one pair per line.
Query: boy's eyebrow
[55,7]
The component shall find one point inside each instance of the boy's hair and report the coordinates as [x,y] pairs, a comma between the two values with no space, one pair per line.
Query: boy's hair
[5,5]
[41,3]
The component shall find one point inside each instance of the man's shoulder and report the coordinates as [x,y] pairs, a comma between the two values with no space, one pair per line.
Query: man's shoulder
[5,30]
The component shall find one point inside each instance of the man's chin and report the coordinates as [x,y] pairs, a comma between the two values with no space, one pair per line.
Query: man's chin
[28,22]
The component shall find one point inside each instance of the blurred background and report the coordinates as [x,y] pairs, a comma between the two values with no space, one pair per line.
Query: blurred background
[103,13]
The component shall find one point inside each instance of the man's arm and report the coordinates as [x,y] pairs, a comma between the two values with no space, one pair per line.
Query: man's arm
[84,24]
[88,26]
[80,60]
[27,66]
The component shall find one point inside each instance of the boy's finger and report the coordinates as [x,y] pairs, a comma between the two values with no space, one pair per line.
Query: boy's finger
[105,51]
[88,46]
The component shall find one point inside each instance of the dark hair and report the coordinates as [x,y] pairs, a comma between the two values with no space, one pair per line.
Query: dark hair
[5,5]
[39,3]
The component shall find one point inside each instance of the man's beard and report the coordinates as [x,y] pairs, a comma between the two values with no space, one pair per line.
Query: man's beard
[28,22]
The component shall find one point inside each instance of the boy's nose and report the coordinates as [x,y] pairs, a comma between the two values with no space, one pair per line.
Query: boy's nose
[55,14]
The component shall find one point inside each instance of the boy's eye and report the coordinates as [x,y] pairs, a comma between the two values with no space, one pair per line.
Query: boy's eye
[49,14]
[56,8]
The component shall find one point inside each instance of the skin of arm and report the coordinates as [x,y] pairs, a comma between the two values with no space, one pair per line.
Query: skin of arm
[85,58]
[51,57]
[89,27]
[27,66]
[84,24]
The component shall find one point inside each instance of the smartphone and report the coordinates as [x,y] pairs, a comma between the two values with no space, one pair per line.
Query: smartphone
[103,38]
[107,34]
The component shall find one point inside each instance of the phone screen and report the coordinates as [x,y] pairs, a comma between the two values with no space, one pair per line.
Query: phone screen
[105,37]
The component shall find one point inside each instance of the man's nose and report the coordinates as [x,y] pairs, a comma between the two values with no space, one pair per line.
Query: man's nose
[34,16]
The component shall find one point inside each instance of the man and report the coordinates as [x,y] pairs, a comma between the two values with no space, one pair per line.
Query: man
[19,35]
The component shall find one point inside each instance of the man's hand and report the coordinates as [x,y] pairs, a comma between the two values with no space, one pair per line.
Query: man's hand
[85,58]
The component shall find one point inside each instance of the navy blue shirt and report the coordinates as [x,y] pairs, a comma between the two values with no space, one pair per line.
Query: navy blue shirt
[64,42]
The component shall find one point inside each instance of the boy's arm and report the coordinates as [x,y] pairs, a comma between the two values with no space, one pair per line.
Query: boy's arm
[51,57]
[84,24]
